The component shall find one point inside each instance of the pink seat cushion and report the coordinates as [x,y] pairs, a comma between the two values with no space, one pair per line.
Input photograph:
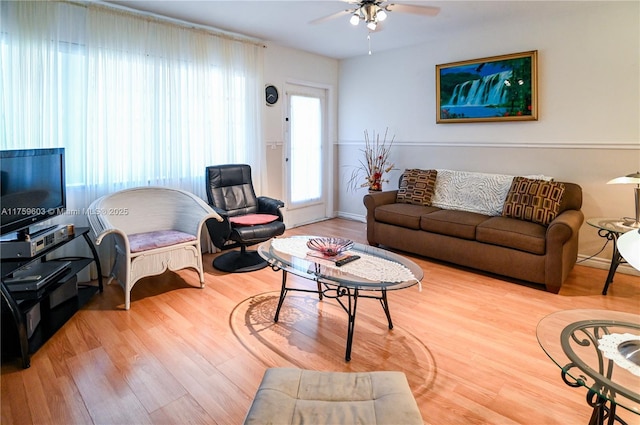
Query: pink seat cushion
[150,240]
[252,219]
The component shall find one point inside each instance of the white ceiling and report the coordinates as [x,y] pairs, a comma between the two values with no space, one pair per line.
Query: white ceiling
[287,23]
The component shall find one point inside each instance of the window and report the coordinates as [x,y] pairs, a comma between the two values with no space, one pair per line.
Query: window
[134,100]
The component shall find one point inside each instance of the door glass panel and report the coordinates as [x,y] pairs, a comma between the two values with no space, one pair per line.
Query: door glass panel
[306,149]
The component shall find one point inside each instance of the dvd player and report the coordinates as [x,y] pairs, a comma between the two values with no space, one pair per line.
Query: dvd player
[34,243]
[35,276]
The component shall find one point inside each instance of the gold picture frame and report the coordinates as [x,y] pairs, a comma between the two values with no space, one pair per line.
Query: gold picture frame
[496,88]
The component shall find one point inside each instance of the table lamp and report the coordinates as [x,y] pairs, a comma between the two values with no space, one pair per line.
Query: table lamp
[633,178]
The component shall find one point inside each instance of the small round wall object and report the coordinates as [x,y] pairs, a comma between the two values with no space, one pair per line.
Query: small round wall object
[271,94]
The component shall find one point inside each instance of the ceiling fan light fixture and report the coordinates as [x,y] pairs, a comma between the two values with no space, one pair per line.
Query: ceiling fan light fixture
[381,15]
[369,12]
[355,19]
[372,25]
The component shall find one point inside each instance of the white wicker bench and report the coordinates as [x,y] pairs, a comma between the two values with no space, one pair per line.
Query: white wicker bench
[155,229]
[296,396]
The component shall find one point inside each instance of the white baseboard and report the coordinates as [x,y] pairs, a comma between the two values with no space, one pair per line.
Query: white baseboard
[354,217]
[601,263]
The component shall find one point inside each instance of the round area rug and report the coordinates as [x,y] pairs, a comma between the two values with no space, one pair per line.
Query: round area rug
[312,334]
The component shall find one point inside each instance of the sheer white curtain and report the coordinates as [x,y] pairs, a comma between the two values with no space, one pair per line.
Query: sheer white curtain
[134,100]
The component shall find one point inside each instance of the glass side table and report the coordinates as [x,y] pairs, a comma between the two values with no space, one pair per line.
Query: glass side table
[610,229]
[598,350]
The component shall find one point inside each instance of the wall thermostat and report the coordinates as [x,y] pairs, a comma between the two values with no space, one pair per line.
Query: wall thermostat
[271,95]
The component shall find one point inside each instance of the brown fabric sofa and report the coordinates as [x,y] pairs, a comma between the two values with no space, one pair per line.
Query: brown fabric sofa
[511,247]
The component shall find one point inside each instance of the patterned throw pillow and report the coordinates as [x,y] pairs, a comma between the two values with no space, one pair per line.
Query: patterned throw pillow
[533,200]
[417,187]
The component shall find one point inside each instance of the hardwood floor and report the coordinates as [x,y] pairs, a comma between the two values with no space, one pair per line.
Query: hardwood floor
[184,355]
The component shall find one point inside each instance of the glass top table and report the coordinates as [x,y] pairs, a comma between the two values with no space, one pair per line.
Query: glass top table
[609,224]
[600,351]
[371,276]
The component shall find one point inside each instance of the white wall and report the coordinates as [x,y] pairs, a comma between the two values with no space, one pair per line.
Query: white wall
[588,130]
[284,65]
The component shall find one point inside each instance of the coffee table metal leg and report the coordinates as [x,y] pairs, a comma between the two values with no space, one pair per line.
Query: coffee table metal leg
[350,306]
[283,293]
[351,312]
[598,403]
[603,410]
[385,307]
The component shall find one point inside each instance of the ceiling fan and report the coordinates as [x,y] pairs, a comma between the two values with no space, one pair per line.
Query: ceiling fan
[372,12]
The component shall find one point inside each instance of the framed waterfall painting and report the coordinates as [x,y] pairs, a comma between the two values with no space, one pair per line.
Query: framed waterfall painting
[497,88]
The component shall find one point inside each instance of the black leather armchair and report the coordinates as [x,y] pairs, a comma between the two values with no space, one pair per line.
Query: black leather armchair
[248,219]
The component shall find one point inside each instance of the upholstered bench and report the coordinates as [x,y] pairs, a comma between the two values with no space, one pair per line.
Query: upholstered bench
[297,396]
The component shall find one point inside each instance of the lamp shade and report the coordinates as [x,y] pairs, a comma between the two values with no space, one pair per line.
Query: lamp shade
[633,178]
[629,247]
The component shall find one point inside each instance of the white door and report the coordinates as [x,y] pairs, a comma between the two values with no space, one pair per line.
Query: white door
[306,165]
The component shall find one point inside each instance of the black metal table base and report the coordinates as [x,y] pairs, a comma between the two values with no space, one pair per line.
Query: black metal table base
[337,292]
[604,410]
[601,390]
[616,258]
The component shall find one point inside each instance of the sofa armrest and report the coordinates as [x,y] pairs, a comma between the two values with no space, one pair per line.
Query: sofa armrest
[562,248]
[375,199]
[371,201]
[564,227]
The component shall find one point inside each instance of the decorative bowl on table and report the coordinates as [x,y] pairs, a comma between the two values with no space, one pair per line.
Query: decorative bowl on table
[330,247]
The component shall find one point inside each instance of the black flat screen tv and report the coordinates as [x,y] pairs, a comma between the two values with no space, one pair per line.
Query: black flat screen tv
[32,187]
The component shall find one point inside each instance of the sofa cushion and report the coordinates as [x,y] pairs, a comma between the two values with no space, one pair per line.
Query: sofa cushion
[511,233]
[417,187]
[460,224]
[404,215]
[533,200]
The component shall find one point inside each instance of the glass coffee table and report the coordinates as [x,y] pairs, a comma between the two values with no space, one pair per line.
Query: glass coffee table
[371,276]
[600,351]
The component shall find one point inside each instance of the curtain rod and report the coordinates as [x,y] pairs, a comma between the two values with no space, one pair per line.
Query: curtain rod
[166,19]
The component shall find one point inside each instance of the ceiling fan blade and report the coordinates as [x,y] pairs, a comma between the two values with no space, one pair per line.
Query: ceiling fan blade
[416,10]
[332,16]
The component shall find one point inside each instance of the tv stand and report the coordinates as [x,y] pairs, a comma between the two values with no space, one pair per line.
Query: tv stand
[53,305]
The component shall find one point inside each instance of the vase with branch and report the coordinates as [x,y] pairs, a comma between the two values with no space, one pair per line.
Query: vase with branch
[372,168]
